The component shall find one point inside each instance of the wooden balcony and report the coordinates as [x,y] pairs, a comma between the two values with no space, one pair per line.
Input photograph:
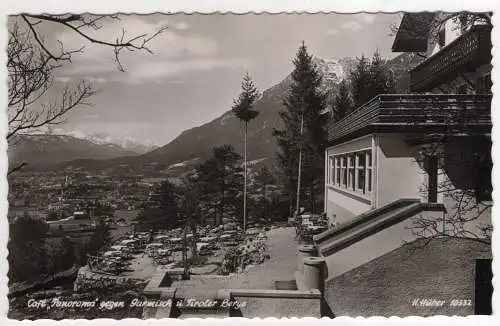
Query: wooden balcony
[416,113]
[468,52]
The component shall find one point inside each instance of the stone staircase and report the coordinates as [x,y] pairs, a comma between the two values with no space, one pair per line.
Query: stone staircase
[370,223]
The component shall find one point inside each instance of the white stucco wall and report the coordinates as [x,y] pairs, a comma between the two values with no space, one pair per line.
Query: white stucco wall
[343,206]
[452,32]
[373,246]
[398,172]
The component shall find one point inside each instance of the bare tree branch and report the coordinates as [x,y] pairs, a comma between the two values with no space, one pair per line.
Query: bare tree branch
[16,168]
[31,65]
[139,42]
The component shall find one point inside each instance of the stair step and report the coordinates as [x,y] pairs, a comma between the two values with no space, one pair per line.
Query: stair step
[362,219]
[364,229]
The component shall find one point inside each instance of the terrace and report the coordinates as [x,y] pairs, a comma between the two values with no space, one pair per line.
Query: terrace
[465,54]
[416,113]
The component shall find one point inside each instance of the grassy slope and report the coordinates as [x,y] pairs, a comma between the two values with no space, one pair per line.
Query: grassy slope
[387,285]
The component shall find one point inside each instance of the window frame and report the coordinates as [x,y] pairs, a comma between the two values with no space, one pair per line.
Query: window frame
[346,177]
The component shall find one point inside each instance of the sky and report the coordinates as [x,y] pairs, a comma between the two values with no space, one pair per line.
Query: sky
[197,64]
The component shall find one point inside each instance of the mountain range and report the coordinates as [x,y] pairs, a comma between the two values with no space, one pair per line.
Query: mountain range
[196,143]
[56,146]
[102,138]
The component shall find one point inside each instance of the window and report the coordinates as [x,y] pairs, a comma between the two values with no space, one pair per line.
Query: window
[483,85]
[337,170]
[360,167]
[331,175]
[483,166]
[351,171]
[369,171]
[343,161]
[351,166]
[442,36]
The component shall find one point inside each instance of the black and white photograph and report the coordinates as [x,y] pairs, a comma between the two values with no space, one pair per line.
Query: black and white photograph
[175,165]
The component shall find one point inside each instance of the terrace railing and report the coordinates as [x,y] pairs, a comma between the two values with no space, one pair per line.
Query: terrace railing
[415,112]
[468,52]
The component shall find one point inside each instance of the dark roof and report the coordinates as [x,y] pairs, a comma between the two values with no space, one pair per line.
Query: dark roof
[412,32]
[415,113]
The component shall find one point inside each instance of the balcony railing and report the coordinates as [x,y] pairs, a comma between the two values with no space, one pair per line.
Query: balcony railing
[468,52]
[409,113]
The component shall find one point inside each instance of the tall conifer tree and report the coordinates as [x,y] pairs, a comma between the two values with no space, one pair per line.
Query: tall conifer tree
[302,140]
[342,102]
[243,109]
[360,79]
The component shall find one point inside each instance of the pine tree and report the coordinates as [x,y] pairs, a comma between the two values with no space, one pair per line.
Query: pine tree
[220,177]
[263,179]
[342,102]
[164,211]
[369,79]
[360,78]
[243,109]
[303,135]
[381,78]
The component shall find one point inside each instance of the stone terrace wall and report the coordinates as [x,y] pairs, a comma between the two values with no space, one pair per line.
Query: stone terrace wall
[89,280]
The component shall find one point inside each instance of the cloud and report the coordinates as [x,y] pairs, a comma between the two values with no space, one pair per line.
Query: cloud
[180,26]
[332,32]
[95,80]
[67,79]
[366,18]
[139,72]
[352,25]
[156,71]
[98,59]
[64,79]
[92,116]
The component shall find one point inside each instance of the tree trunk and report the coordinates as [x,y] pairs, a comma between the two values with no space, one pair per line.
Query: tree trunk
[300,162]
[311,200]
[184,253]
[245,183]
[265,201]
[194,240]
[222,201]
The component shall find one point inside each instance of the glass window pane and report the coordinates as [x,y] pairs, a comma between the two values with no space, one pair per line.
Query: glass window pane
[332,170]
[369,158]
[351,160]
[361,179]
[369,180]
[351,178]
[361,160]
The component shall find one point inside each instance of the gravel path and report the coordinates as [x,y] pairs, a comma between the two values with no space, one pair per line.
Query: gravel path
[281,266]
[282,249]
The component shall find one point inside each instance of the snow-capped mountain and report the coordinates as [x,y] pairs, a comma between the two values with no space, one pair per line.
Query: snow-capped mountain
[102,138]
[43,149]
[127,143]
[333,71]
